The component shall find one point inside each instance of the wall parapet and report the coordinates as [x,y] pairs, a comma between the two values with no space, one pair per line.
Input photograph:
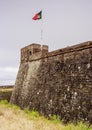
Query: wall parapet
[41,55]
[33,50]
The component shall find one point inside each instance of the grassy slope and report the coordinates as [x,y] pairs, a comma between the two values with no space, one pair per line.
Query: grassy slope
[5,93]
[12,118]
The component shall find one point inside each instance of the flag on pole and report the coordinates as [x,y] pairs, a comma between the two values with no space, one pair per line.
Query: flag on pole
[38,16]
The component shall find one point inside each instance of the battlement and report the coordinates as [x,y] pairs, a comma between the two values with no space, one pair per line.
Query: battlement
[36,51]
[31,50]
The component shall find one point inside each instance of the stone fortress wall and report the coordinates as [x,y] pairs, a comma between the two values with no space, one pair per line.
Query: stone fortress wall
[58,82]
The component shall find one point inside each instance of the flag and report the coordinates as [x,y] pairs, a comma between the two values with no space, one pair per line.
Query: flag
[38,16]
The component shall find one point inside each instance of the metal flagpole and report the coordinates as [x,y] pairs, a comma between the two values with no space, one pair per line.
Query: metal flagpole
[41,34]
[42,30]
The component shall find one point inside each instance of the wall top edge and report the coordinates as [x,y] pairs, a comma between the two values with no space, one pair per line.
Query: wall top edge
[40,55]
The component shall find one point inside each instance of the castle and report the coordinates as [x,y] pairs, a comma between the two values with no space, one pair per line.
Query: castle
[58,82]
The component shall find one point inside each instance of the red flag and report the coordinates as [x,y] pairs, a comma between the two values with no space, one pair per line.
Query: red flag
[38,16]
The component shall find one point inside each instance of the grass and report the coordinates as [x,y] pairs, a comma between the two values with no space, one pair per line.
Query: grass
[5,93]
[13,118]
[32,114]
[6,89]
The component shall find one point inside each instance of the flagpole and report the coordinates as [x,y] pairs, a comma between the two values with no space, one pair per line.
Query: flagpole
[41,34]
[39,16]
[42,30]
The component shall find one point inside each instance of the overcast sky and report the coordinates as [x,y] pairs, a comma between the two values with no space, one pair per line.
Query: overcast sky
[64,23]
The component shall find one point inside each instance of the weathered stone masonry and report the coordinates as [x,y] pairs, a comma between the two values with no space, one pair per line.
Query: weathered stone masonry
[58,82]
